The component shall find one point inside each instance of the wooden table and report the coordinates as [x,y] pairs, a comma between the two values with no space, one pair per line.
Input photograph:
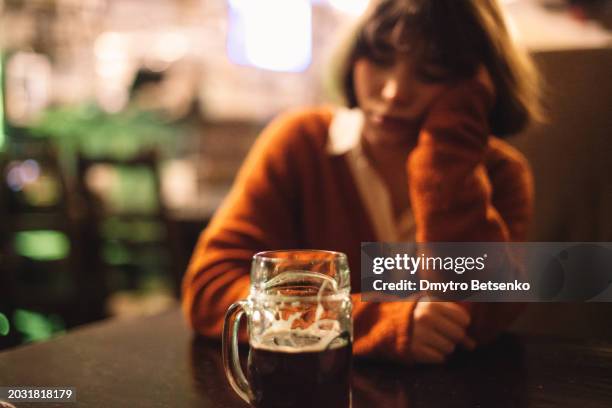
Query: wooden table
[156,362]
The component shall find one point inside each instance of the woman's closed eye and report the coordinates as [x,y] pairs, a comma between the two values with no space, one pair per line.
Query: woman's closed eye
[434,74]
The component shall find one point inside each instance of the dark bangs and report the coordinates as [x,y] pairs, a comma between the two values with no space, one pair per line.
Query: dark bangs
[439,36]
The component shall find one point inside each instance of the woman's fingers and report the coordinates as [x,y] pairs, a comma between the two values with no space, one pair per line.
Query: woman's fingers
[453,312]
[435,340]
[449,329]
[426,354]
[468,343]
[438,328]
[454,324]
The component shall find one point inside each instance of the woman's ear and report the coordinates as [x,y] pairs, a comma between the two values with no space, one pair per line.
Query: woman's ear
[482,75]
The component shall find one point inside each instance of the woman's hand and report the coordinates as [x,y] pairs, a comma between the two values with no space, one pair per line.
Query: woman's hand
[437,329]
[460,96]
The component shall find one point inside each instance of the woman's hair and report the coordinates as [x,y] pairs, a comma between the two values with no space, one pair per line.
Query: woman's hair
[456,36]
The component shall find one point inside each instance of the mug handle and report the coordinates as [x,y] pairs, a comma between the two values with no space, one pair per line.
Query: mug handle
[231,358]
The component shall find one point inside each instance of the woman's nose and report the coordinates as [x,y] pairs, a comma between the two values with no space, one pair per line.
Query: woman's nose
[396,89]
[389,91]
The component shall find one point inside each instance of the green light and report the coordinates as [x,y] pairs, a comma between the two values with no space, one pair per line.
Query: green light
[42,245]
[5,326]
[35,326]
[115,254]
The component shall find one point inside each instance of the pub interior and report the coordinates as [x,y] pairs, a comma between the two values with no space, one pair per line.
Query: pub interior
[123,124]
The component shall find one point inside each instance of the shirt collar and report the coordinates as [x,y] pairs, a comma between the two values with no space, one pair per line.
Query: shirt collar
[344,131]
[344,138]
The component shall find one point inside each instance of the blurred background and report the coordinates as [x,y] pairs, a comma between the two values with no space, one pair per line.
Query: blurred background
[123,123]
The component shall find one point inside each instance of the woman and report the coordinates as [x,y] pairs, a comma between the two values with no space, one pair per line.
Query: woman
[429,82]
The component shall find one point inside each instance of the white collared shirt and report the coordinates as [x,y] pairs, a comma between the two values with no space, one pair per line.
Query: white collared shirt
[344,139]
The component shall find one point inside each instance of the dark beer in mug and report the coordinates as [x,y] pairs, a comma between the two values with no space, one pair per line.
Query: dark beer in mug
[285,376]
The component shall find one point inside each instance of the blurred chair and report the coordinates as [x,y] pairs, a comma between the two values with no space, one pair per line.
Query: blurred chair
[129,238]
[39,244]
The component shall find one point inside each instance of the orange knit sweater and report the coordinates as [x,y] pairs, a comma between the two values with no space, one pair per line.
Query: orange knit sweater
[464,186]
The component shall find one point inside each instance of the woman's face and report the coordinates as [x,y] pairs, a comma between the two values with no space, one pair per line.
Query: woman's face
[394,98]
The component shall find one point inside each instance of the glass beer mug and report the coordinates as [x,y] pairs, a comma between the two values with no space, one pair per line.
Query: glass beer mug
[299,328]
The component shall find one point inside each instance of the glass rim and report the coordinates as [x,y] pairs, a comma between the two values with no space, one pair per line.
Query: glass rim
[265,255]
